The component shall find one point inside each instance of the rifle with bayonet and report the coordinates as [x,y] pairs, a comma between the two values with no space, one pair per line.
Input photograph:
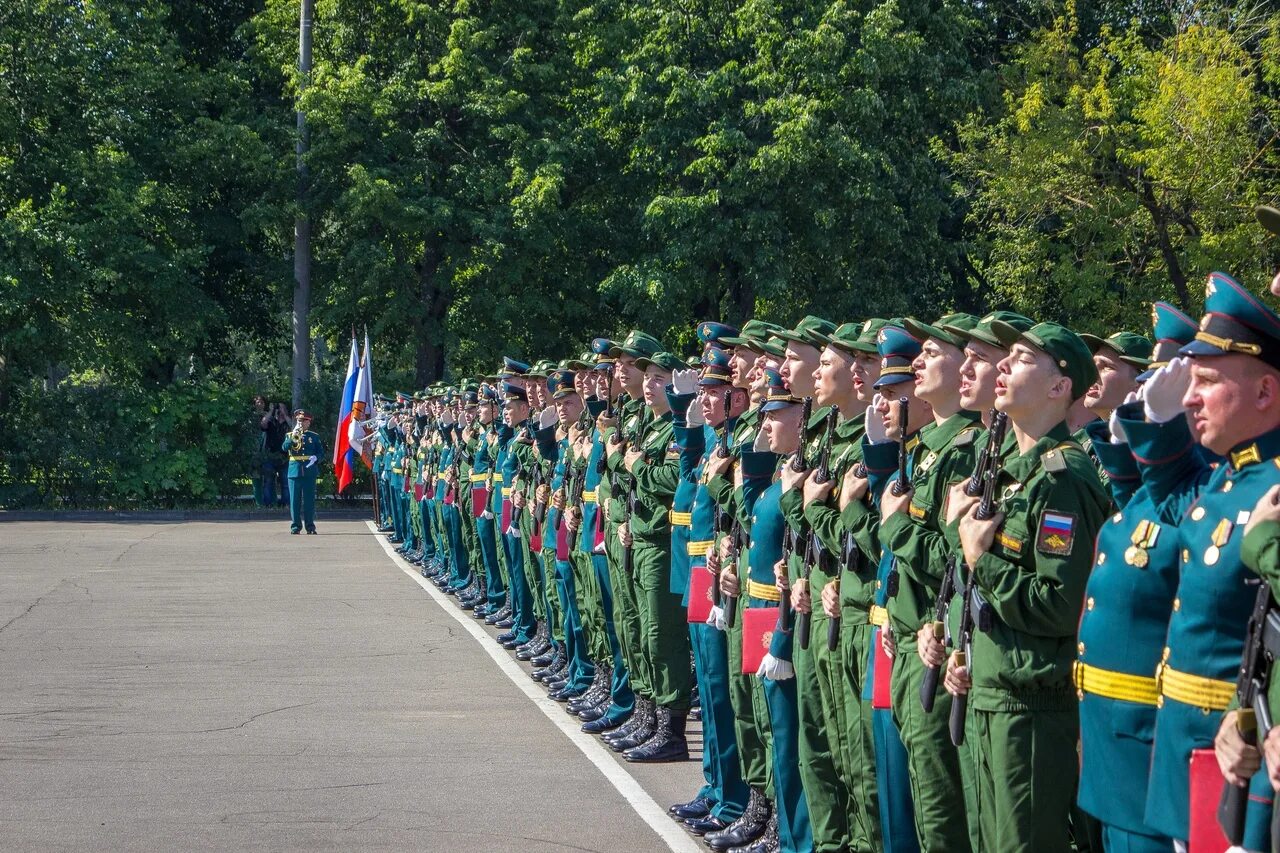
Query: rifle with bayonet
[975,613]
[791,538]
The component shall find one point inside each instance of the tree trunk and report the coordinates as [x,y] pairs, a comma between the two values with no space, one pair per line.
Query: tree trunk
[1160,219]
[428,324]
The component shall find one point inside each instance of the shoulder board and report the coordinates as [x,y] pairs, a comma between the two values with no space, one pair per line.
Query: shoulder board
[1055,460]
[966,437]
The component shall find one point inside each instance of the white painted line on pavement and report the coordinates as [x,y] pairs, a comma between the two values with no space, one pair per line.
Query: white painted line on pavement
[645,806]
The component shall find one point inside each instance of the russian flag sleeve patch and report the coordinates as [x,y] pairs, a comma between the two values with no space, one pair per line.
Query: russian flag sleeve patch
[1057,533]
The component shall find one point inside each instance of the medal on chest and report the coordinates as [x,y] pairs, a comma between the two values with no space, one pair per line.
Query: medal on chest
[1142,540]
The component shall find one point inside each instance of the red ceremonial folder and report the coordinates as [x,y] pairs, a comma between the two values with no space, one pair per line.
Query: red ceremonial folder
[479,501]
[506,515]
[597,544]
[450,497]
[562,542]
[701,594]
[758,625]
[419,490]
[1205,834]
[881,674]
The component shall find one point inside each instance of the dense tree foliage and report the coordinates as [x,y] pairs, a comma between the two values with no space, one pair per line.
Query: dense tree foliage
[492,176]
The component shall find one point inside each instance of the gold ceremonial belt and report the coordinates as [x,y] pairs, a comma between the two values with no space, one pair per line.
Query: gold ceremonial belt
[1195,690]
[1115,685]
[589,497]
[766,591]
[301,459]
[396,470]
[479,478]
[681,519]
[700,548]
[442,476]
[506,491]
[878,616]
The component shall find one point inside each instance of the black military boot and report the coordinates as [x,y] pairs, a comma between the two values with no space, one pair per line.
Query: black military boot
[624,731]
[746,829]
[642,732]
[592,697]
[667,742]
[766,843]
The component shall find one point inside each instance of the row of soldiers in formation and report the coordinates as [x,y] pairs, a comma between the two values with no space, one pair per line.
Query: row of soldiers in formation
[974,584]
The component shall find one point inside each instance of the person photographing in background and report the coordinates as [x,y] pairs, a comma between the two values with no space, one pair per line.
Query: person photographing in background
[304,448]
[275,428]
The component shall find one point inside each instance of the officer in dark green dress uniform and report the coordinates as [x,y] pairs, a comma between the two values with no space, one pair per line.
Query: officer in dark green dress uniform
[305,450]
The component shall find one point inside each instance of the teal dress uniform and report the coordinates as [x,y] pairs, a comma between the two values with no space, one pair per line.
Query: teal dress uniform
[525,623]
[304,467]
[724,787]
[1128,601]
[482,480]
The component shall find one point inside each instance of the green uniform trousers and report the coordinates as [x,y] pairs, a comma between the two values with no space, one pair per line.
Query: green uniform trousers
[1026,764]
[820,687]
[860,753]
[938,780]
[626,615]
[664,625]
[587,587]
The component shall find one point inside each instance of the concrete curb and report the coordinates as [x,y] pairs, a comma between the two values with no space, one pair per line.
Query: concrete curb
[177,515]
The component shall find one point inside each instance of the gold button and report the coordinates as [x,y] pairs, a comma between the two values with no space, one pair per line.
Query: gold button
[1186,555]
[1089,603]
[1164,657]
[1226,487]
[1102,558]
[1177,605]
[1117,517]
[1080,648]
[1197,513]
[877,584]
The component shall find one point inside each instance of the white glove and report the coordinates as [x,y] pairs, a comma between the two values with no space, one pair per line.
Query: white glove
[876,432]
[311,460]
[694,417]
[1113,423]
[761,444]
[776,670]
[684,381]
[1162,394]
[716,618]
[487,514]
[447,418]
[546,417]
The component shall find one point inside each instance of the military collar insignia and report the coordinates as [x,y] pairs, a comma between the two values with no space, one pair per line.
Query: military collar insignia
[1245,456]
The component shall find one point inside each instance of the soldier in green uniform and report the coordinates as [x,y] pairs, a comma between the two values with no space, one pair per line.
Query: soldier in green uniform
[305,449]
[653,461]
[1030,563]
[911,530]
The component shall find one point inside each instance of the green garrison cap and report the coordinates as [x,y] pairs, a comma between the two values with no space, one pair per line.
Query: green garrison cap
[637,345]
[868,339]
[1268,217]
[541,368]
[845,336]
[1132,348]
[982,331]
[1061,344]
[664,360]
[813,331]
[586,361]
[946,329]
[755,333]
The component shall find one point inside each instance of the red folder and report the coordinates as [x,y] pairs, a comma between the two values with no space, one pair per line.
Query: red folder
[597,544]
[419,490]
[562,541]
[1206,835]
[758,625]
[881,674]
[506,515]
[479,501]
[701,594]
[450,497]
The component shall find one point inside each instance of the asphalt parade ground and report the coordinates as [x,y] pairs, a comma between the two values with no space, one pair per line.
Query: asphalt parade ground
[223,685]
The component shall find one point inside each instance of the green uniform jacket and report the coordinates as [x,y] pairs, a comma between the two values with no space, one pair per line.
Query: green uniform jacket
[657,474]
[1034,576]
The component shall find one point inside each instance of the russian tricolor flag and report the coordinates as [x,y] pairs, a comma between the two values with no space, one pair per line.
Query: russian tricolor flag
[343,456]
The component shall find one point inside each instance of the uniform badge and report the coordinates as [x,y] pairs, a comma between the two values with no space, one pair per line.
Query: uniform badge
[1057,533]
[1142,540]
[927,462]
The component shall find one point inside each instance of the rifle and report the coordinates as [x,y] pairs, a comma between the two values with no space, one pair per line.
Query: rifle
[722,446]
[798,463]
[609,413]
[975,612]
[731,601]
[901,485]
[1261,647]
[814,549]
[947,591]
[628,553]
